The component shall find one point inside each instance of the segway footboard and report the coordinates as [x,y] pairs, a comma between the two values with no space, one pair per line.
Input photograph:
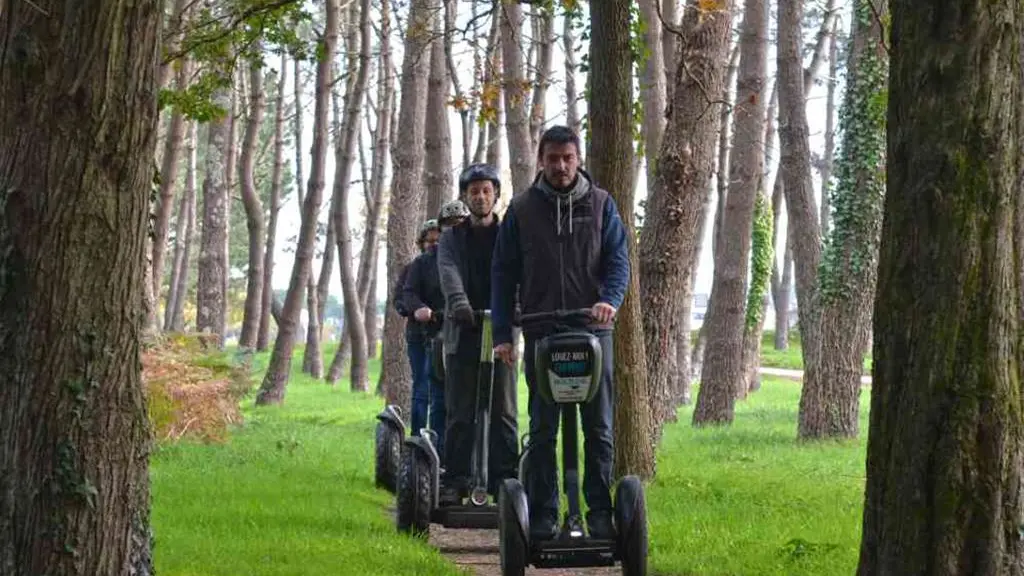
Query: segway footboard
[573,553]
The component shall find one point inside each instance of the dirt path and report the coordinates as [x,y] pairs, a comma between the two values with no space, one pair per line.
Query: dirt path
[477,550]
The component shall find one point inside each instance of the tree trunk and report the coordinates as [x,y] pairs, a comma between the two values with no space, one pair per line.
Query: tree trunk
[670,44]
[676,202]
[168,176]
[724,147]
[544,43]
[450,72]
[572,109]
[944,455]
[253,211]
[830,132]
[316,299]
[344,159]
[652,85]
[211,297]
[795,171]
[847,282]
[276,380]
[77,140]
[437,168]
[517,124]
[184,233]
[723,371]
[610,157]
[405,196]
[263,333]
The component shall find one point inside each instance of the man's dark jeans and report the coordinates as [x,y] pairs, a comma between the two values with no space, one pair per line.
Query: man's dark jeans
[598,448]
[438,411]
[461,371]
[419,363]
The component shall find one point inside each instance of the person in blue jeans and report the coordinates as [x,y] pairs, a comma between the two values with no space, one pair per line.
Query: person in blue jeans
[422,296]
[416,337]
[562,245]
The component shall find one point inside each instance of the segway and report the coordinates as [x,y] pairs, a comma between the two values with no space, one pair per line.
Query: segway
[419,477]
[388,445]
[568,372]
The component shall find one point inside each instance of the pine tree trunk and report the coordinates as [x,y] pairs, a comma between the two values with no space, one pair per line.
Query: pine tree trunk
[184,231]
[830,133]
[676,202]
[78,131]
[723,372]
[263,333]
[847,282]
[316,300]
[168,176]
[437,168]
[272,390]
[670,44]
[610,157]
[405,193]
[572,109]
[945,448]
[795,171]
[211,296]
[255,223]
[652,85]
[544,42]
[359,74]
[516,98]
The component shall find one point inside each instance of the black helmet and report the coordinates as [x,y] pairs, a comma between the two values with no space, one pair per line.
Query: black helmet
[426,228]
[475,172]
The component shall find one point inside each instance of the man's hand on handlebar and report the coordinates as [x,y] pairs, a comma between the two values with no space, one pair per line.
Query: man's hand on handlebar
[602,312]
[506,353]
[423,314]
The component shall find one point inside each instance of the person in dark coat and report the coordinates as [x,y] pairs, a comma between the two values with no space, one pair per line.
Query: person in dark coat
[562,245]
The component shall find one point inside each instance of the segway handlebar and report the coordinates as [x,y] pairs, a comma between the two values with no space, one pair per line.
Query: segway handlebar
[583,314]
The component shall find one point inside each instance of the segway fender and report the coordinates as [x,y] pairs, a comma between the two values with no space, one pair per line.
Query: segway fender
[390,415]
[517,497]
[424,445]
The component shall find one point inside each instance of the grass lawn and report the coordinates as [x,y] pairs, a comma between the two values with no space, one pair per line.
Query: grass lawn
[792,357]
[292,493]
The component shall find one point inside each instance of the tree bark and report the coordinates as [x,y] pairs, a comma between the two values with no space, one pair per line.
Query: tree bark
[830,132]
[572,109]
[272,390]
[184,237]
[168,176]
[267,295]
[359,74]
[437,168]
[676,202]
[544,43]
[723,372]
[405,194]
[670,44]
[849,270]
[516,104]
[316,299]
[255,223]
[944,455]
[610,158]
[795,171]
[652,85]
[451,10]
[77,141]
[211,296]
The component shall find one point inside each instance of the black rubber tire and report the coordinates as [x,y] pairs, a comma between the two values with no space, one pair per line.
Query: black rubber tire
[414,496]
[387,455]
[631,526]
[511,544]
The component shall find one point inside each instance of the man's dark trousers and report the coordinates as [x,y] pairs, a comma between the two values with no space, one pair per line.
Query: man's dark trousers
[598,448]
[461,370]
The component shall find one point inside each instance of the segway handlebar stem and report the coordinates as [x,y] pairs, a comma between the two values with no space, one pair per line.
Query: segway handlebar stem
[579,314]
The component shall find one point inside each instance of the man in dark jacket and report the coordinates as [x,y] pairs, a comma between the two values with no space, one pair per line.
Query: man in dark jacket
[464,262]
[417,330]
[422,296]
[562,245]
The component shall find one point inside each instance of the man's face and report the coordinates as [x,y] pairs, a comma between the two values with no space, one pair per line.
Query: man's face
[559,163]
[431,239]
[480,197]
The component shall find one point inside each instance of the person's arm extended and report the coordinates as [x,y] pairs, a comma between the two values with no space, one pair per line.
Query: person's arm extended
[448,271]
[413,286]
[398,296]
[615,267]
[505,269]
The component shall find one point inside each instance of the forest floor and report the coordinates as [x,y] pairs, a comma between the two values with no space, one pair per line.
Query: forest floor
[291,492]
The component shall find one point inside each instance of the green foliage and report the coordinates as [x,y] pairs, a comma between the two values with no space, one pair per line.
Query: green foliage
[761,253]
[851,251]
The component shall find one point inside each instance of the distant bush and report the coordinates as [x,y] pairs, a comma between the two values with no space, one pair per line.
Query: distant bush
[193,392]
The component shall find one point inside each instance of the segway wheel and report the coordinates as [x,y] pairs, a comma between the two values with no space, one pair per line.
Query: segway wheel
[631,524]
[414,493]
[387,455]
[511,533]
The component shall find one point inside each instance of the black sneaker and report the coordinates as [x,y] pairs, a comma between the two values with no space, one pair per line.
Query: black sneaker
[543,526]
[599,524]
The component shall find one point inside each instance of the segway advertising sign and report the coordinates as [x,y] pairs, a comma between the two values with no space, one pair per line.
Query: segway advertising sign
[569,374]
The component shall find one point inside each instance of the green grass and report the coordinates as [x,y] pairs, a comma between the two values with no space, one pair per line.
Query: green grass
[792,357]
[292,493]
